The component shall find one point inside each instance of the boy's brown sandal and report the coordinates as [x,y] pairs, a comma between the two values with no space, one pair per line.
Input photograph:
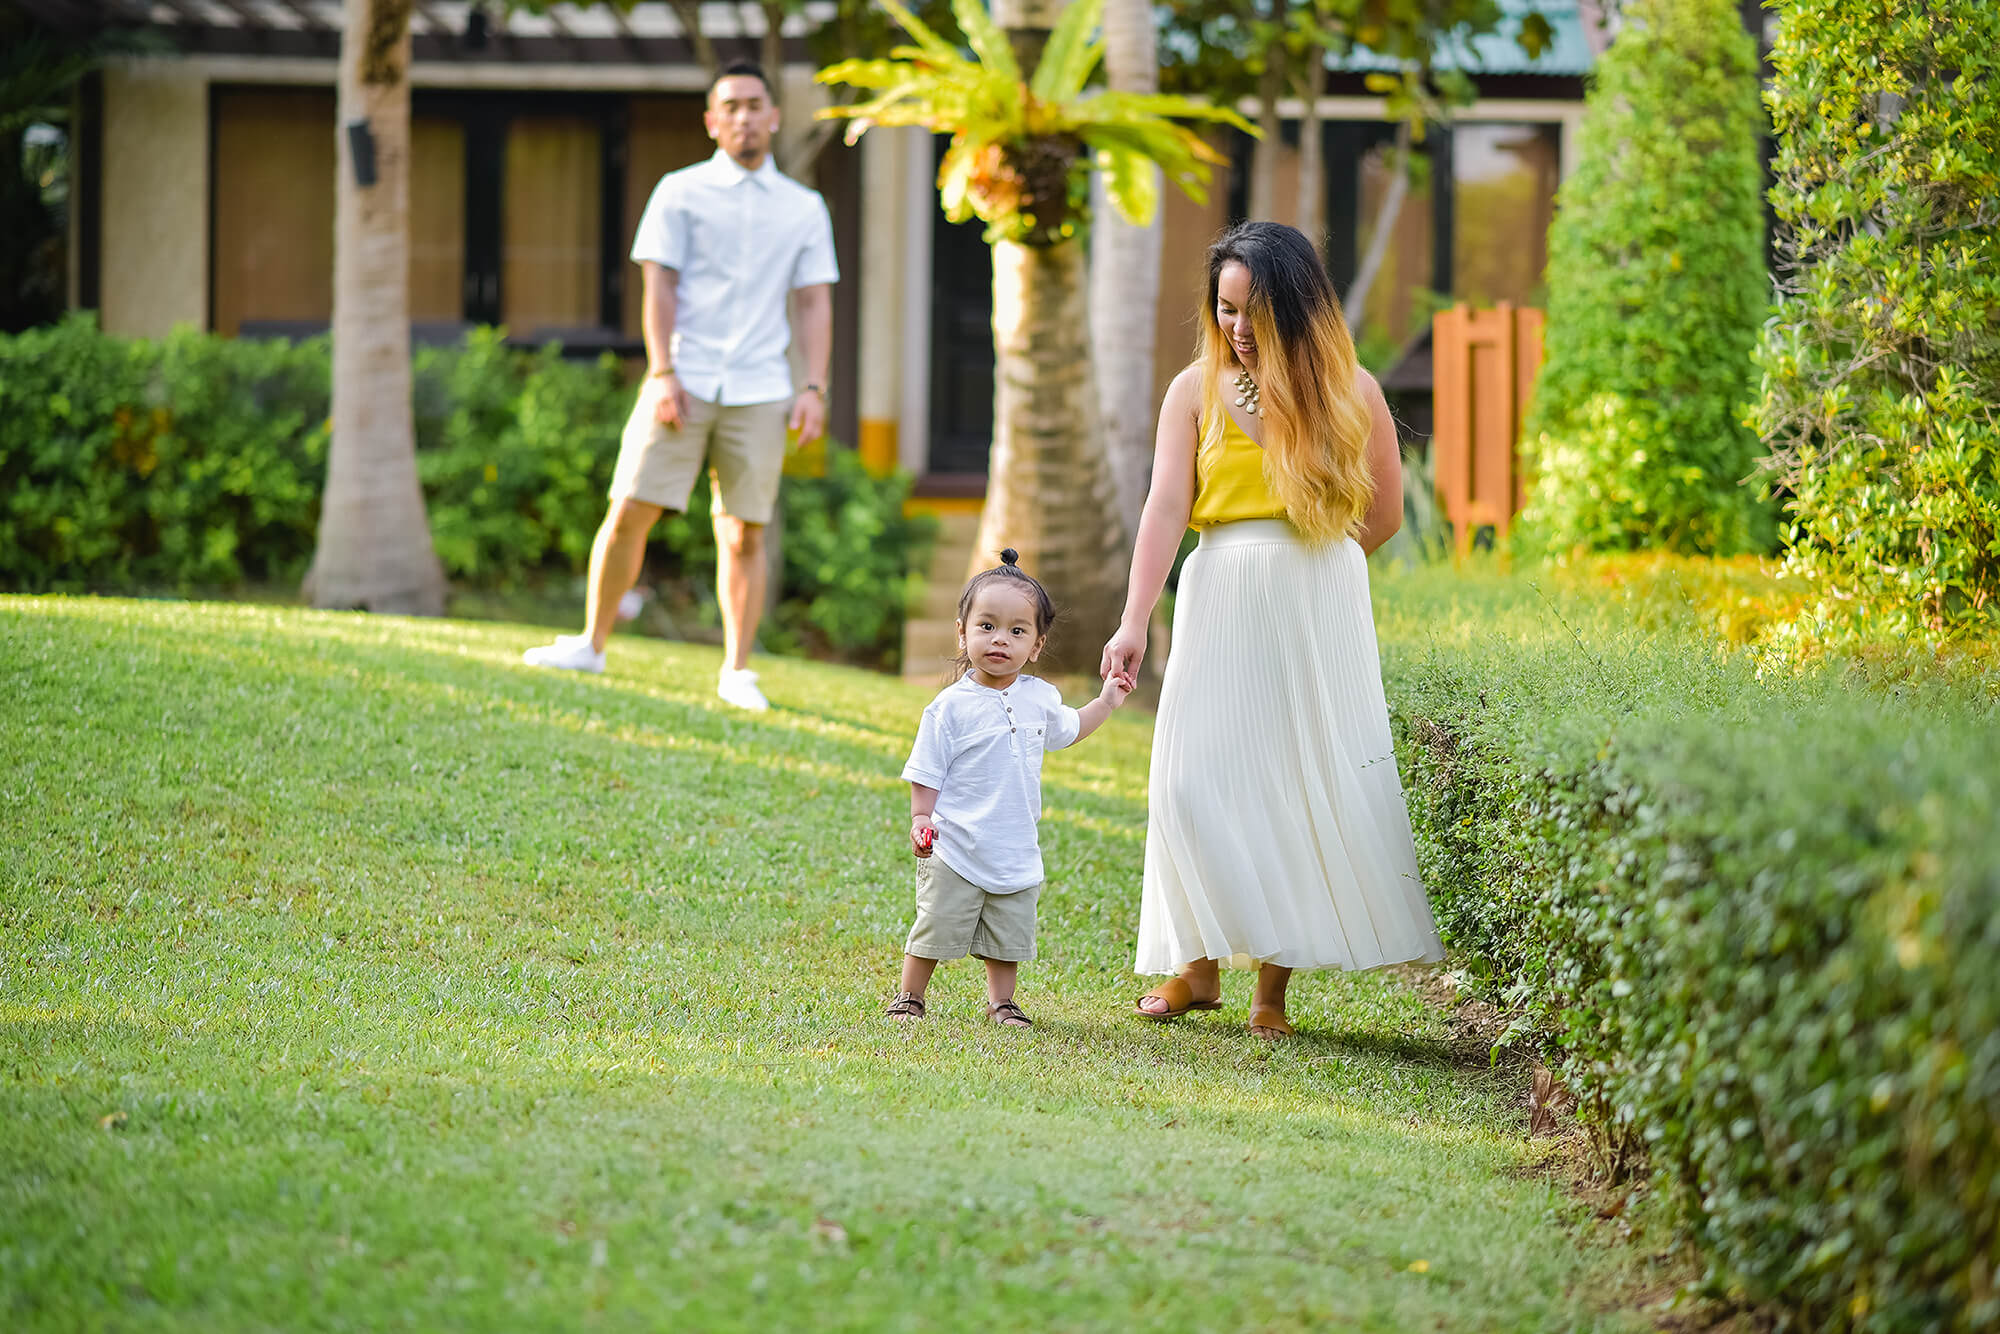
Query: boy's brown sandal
[1006,1014]
[907,1005]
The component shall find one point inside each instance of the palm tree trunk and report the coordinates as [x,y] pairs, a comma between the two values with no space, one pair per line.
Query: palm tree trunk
[374,548]
[1355,308]
[1125,282]
[1312,156]
[1049,491]
[1264,154]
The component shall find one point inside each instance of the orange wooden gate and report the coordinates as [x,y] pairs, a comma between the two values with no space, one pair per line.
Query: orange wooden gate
[1483,365]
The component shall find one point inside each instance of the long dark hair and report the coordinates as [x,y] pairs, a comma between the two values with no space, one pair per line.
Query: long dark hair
[1007,569]
[1316,423]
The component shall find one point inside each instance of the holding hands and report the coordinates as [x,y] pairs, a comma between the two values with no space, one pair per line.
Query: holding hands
[1123,653]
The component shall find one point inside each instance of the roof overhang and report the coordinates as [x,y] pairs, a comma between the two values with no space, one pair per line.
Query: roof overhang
[442,31]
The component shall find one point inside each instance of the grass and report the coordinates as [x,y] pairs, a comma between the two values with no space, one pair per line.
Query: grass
[360,978]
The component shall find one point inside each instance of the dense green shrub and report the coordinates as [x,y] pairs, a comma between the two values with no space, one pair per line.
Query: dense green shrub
[1757,917]
[515,451]
[851,555]
[135,464]
[195,463]
[1881,390]
[1656,291]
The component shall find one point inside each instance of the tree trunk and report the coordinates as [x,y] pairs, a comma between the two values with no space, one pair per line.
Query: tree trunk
[1312,155]
[1049,491]
[772,47]
[1355,308]
[374,549]
[1264,154]
[1125,283]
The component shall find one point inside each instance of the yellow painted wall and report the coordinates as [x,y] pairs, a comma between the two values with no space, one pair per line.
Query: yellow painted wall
[154,266]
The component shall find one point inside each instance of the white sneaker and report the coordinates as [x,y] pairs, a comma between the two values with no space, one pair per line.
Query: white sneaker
[740,688]
[570,653]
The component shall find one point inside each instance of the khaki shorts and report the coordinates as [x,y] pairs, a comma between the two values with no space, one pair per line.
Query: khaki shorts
[744,447]
[956,917]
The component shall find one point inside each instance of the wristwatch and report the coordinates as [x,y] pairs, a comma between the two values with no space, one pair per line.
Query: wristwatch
[664,370]
[813,388]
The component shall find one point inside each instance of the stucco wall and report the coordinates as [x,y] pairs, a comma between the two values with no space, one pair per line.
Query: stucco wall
[154,267]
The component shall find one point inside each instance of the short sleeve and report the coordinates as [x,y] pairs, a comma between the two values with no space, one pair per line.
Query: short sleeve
[662,234]
[816,263]
[1064,723]
[930,756]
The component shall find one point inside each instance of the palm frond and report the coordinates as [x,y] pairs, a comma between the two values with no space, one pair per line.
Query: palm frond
[1070,55]
[987,40]
[1131,183]
[1173,106]
[954,177]
[934,46]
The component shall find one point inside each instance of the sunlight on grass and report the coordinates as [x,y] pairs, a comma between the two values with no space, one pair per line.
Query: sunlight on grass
[360,976]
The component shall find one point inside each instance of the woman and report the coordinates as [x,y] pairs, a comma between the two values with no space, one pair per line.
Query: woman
[1279,838]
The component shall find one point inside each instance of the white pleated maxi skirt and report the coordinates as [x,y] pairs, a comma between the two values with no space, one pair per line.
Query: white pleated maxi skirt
[1278,832]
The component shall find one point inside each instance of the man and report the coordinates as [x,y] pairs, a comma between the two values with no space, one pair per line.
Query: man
[722,244]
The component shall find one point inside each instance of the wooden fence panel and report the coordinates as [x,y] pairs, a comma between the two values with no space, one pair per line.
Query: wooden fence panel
[1483,366]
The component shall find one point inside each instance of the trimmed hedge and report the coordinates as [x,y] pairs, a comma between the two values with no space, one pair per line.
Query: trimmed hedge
[1656,291]
[1881,364]
[195,463]
[1758,919]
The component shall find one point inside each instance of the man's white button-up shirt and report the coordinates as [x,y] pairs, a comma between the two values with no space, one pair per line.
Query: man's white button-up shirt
[740,241]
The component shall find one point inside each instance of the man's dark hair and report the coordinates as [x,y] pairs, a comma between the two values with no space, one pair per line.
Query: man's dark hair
[743,69]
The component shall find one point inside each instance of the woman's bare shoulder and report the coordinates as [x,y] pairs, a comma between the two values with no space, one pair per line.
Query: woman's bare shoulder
[1184,393]
[1365,384]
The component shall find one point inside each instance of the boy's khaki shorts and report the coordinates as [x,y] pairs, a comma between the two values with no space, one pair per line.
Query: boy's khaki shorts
[743,445]
[956,917]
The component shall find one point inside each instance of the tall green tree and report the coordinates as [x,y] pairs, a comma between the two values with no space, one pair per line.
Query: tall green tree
[1656,292]
[1881,369]
[1025,137]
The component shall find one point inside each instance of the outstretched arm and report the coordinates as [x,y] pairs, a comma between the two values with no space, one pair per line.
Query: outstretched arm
[1093,715]
[1169,501]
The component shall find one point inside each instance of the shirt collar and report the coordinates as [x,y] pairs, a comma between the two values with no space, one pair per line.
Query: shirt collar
[732,171]
[969,683]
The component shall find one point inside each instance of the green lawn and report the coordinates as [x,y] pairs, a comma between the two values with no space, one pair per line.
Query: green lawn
[357,977]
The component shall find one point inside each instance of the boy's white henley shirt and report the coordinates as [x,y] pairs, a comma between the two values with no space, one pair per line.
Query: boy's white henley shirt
[982,750]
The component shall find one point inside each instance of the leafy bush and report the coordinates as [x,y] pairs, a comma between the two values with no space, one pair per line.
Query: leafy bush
[515,451]
[1656,291]
[196,463]
[851,558]
[1749,915]
[1881,389]
[188,461]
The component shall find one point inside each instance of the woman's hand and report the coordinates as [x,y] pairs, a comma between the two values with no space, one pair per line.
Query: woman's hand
[1123,653]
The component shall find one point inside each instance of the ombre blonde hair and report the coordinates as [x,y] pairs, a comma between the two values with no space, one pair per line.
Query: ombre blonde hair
[1316,423]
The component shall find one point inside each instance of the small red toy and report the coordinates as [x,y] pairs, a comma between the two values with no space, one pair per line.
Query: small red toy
[925,837]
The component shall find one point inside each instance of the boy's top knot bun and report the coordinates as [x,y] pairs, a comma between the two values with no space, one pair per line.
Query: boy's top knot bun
[1010,557]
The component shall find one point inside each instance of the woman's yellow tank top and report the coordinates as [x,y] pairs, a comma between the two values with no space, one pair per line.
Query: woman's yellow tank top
[1229,478]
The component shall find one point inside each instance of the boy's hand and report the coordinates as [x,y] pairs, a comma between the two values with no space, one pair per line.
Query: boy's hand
[922,834]
[1116,687]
